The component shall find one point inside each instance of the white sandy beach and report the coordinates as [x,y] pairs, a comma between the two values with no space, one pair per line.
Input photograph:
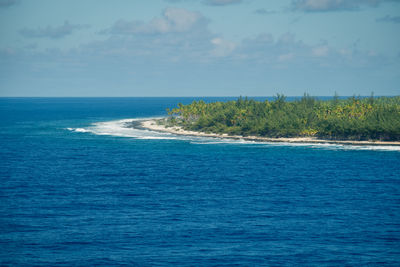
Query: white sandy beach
[152,125]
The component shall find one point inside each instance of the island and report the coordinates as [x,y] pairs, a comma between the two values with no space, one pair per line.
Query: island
[354,120]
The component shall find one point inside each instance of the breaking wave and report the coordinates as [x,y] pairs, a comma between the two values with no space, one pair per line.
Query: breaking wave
[121,128]
[127,128]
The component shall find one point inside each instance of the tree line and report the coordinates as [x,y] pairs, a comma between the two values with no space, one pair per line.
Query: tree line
[354,118]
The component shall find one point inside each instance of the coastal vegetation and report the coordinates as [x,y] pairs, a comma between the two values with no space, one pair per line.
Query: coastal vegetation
[354,118]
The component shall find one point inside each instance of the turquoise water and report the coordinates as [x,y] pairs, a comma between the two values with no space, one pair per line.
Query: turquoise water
[77,188]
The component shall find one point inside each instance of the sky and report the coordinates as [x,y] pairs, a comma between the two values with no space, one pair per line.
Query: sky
[95,48]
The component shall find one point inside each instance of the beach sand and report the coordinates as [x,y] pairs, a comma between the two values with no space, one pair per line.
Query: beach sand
[152,125]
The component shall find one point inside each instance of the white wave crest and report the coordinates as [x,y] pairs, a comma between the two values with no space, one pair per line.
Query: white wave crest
[210,140]
[78,130]
[120,128]
[291,144]
[341,146]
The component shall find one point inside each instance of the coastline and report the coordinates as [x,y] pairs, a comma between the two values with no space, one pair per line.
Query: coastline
[153,126]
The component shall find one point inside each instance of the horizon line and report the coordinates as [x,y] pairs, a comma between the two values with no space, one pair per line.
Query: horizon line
[193,96]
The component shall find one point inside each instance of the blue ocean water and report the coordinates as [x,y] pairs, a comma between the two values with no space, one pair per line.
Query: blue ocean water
[77,188]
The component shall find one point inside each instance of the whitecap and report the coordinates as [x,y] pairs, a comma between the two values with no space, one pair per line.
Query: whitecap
[78,130]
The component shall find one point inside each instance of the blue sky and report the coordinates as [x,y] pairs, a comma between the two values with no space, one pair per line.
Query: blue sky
[199,47]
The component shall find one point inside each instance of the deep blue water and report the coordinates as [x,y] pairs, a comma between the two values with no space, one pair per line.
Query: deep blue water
[72,194]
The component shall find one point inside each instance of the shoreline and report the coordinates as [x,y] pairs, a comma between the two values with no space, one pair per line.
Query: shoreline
[153,126]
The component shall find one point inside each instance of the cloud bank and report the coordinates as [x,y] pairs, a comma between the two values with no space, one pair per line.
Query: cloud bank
[176,52]
[173,20]
[334,5]
[52,32]
[210,2]
[221,2]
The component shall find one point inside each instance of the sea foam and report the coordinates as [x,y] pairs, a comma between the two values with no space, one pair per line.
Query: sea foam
[121,128]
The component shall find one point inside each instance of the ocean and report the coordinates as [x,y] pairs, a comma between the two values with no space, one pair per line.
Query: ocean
[78,188]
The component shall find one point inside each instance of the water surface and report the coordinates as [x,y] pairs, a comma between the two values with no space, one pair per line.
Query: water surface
[78,189]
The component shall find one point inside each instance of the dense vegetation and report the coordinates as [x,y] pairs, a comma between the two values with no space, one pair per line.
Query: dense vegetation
[354,118]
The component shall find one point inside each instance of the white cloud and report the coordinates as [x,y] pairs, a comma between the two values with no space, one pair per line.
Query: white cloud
[285,57]
[172,20]
[221,2]
[209,2]
[320,51]
[180,19]
[323,4]
[222,47]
